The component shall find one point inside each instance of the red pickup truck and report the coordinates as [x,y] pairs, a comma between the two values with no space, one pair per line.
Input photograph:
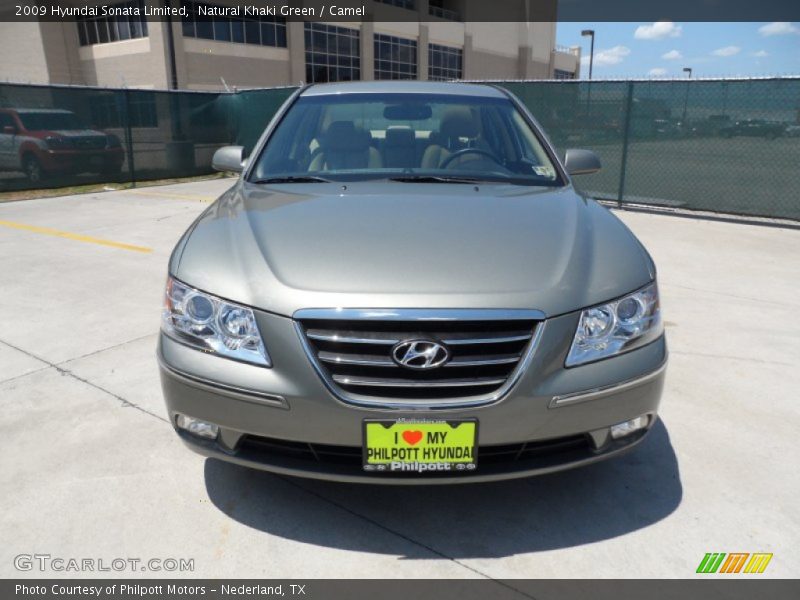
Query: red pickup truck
[49,142]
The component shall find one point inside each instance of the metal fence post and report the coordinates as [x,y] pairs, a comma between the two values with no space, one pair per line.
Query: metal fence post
[129,137]
[626,132]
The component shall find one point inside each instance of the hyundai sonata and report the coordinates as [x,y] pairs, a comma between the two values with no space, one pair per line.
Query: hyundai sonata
[403,286]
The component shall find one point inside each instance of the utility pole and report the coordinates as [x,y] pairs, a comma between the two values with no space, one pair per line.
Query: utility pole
[584,33]
[590,33]
[688,71]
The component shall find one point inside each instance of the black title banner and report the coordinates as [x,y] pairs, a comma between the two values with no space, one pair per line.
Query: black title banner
[410,10]
[420,589]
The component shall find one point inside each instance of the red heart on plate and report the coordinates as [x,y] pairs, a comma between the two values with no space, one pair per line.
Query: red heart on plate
[412,437]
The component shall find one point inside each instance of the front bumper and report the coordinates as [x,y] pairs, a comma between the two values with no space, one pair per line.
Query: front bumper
[284,419]
[82,161]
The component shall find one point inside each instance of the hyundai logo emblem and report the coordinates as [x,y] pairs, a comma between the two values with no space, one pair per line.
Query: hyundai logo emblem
[420,354]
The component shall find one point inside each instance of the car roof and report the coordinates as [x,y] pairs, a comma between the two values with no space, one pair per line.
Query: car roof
[26,111]
[403,87]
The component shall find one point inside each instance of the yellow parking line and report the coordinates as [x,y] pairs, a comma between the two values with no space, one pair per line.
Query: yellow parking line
[192,197]
[75,236]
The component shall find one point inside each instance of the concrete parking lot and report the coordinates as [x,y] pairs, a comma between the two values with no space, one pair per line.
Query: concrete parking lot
[90,467]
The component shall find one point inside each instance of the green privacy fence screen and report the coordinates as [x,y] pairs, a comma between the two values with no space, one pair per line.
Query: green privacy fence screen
[729,146]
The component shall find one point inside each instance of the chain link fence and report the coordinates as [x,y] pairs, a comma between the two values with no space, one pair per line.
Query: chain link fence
[64,136]
[730,146]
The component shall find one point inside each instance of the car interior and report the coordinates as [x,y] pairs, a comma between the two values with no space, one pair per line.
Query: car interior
[329,136]
[346,145]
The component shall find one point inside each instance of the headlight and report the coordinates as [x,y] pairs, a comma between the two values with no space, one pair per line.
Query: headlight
[617,327]
[212,324]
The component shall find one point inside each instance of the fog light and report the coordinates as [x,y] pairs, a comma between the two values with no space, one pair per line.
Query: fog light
[621,430]
[197,427]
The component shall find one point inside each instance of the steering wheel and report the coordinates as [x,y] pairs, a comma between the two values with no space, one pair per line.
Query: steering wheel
[446,162]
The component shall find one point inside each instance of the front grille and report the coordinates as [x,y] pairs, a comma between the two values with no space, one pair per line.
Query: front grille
[356,356]
[93,142]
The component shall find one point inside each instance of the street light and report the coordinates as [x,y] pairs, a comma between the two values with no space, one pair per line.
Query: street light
[590,33]
[688,70]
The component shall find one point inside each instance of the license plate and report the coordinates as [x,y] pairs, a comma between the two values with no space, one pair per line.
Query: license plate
[420,445]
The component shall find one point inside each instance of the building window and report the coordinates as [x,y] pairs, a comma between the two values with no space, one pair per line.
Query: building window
[445,62]
[562,74]
[332,53]
[409,4]
[108,110]
[440,9]
[260,31]
[395,58]
[103,30]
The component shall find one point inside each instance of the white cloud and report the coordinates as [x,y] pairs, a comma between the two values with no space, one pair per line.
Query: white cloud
[605,58]
[658,31]
[727,51]
[761,54]
[672,55]
[778,28]
[657,72]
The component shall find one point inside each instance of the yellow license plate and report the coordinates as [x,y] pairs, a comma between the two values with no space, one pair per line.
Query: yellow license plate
[420,445]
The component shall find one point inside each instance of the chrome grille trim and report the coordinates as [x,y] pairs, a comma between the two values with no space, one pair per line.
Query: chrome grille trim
[376,361]
[420,314]
[352,368]
[450,341]
[489,340]
[331,357]
[501,360]
[407,383]
[350,340]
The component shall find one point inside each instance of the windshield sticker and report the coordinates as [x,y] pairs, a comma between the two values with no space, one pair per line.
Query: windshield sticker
[544,171]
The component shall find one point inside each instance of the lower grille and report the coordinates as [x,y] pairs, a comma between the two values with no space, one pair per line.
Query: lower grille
[253,447]
[359,357]
[94,142]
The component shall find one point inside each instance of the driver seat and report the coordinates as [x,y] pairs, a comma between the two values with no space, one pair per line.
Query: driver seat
[458,122]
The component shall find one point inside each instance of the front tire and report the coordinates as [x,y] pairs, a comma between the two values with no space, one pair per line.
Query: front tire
[33,169]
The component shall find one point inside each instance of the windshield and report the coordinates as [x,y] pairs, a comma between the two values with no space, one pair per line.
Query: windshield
[408,137]
[50,121]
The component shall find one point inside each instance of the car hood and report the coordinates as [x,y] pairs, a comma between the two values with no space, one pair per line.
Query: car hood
[410,245]
[71,133]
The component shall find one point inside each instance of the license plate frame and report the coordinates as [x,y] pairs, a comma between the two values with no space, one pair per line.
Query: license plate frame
[416,451]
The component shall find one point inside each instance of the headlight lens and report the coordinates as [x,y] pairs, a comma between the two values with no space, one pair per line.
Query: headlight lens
[616,327]
[212,324]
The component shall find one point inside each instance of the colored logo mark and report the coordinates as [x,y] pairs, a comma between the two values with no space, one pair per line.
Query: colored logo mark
[734,562]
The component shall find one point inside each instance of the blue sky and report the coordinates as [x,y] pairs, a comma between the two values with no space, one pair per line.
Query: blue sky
[711,49]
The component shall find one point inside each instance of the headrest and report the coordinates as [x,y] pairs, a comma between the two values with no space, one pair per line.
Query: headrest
[400,136]
[344,135]
[458,121]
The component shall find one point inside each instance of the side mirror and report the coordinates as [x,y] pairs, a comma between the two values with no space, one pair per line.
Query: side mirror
[9,129]
[228,158]
[581,162]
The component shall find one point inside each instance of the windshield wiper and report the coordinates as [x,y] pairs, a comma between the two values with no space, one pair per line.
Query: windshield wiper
[434,179]
[488,180]
[294,179]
